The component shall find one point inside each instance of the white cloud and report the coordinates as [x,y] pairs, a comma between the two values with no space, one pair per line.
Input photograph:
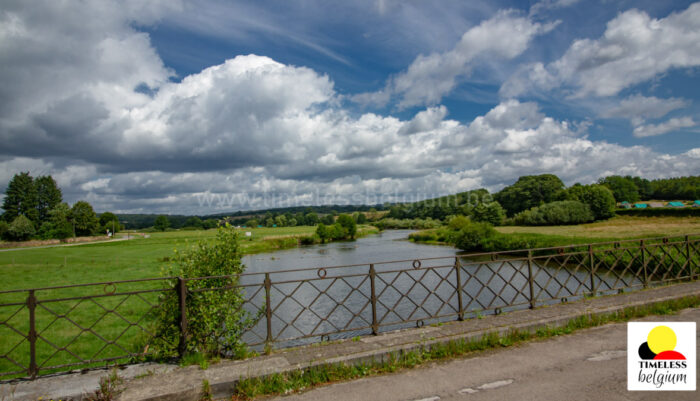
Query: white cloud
[429,78]
[664,127]
[634,48]
[638,108]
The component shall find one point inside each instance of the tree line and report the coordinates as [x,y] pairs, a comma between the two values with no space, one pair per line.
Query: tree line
[34,208]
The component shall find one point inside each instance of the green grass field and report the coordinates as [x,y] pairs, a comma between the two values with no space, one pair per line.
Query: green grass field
[107,325]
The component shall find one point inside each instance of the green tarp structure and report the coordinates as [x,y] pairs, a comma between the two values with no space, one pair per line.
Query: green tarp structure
[640,205]
[676,204]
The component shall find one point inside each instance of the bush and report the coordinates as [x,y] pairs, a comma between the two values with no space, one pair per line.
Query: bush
[21,228]
[348,223]
[473,236]
[216,320]
[4,227]
[556,213]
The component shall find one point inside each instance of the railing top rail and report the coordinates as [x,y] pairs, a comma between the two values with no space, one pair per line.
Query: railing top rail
[59,287]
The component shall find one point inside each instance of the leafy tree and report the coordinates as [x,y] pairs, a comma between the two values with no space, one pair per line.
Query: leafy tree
[323,233]
[21,198]
[21,228]
[194,222]
[348,223]
[328,219]
[491,213]
[556,213]
[530,191]
[162,223]
[458,222]
[292,222]
[281,221]
[84,218]
[211,223]
[269,222]
[48,196]
[599,199]
[623,188]
[109,221]
[251,223]
[216,320]
[311,219]
[59,223]
[361,218]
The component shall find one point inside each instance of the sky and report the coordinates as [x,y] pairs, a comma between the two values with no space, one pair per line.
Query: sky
[214,106]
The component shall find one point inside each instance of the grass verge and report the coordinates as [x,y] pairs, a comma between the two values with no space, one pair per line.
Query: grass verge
[286,383]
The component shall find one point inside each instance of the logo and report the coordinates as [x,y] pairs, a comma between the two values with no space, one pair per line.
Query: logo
[661,356]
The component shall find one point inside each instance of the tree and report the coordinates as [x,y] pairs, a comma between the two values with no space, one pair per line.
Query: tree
[109,221]
[322,232]
[311,219]
[281,221]
[216,320]
[84,218]
[556,213]
[361,218]
[251,223]
[623,188]
[599,199]
[194,222]
[491,212]
[4,227]
[530,191]
[21,228]
[162,223]
[48,196]
[328,219]
[20,198]
[210,223]
[348,223]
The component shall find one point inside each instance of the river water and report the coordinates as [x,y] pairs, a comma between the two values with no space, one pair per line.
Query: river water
[329,303]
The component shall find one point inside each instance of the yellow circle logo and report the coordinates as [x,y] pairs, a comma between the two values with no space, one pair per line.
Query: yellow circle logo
[660,339]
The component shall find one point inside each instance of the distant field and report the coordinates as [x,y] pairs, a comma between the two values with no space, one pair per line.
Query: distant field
[617,228]
[120,260]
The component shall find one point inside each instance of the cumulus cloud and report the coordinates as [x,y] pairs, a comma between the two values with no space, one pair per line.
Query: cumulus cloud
[634,48]
[664,127]
[638,108]
[429,78]
[252,132]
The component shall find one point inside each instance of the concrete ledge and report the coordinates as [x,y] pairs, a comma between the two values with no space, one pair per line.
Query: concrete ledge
[186,383]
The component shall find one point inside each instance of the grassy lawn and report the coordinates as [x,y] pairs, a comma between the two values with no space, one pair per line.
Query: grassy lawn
[622,227]
[77,324]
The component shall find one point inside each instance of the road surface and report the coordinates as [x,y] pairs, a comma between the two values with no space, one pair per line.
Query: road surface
[587,365]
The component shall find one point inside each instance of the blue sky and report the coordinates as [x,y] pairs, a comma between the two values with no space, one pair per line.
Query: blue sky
[212,106]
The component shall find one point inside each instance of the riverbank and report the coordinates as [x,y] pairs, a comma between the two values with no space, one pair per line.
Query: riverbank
[617,228]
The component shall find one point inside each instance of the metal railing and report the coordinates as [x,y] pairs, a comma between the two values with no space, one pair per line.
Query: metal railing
[53,329]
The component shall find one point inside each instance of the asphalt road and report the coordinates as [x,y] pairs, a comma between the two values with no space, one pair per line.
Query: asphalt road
[587,365]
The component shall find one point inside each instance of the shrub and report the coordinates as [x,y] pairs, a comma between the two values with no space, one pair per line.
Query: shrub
[216,319]
[556,213]
[4,227]
[21,228]
[472,237]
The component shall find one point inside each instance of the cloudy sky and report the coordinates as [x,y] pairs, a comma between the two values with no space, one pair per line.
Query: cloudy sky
[214,106]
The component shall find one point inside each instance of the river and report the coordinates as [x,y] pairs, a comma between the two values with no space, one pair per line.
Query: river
[328,302]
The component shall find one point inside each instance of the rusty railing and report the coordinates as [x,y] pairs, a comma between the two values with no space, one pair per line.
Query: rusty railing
[54,329]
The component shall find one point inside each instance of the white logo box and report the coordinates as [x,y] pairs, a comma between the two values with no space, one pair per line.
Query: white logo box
[661,375]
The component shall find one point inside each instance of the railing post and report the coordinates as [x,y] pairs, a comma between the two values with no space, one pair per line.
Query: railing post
[644,263]
[591,266]
[458,268]
[31,305]
[688,259]
[530,279]
[373,299]
[268,310]
[181,289]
